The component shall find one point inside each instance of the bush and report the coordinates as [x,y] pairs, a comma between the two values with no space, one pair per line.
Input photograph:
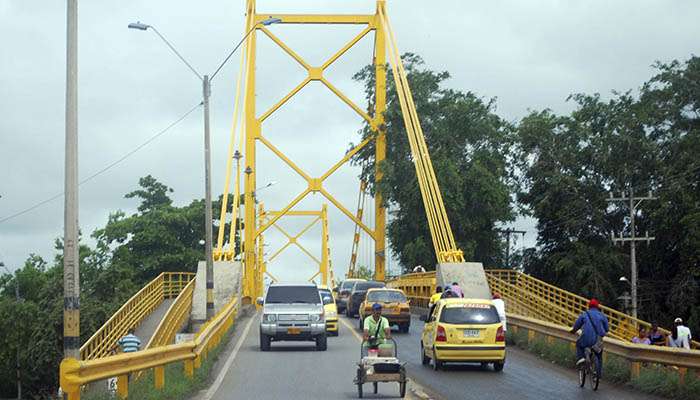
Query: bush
[657,380]
[616,369]
[177,385]
[653,379]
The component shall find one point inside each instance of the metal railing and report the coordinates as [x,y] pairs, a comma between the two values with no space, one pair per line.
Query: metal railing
[417,286]
[139,306]
[74,373]
[635,354]
[177,315]
[530,297]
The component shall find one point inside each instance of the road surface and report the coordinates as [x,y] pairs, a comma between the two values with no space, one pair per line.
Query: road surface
[295,370]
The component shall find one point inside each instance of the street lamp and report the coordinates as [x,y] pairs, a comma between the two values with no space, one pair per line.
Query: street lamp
[206,92]
[633,298]
[255,192]
[17,364]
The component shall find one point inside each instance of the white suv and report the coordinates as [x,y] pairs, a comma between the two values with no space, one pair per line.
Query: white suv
[292,312]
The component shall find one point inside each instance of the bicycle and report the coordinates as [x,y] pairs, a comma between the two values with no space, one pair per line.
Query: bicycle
[589,368]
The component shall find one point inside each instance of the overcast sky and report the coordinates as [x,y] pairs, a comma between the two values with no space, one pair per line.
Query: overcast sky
[528,54]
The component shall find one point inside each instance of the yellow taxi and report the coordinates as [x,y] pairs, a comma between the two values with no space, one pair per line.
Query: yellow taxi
[463,330]
[330,309]
[395,307]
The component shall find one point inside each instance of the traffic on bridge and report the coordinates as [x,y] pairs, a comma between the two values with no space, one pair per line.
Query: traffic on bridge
[416,286]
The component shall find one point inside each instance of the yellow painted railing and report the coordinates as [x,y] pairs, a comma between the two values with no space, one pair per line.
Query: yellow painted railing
[167,285]
[417,286]
[75,373]
[528,297]
[177,315]
[532,297]
[635,354]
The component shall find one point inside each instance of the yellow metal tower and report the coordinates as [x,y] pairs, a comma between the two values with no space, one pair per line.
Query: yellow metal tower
[251,133]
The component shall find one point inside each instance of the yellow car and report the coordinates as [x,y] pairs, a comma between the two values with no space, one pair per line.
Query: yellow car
[463,330]
[330,309]
[395,307]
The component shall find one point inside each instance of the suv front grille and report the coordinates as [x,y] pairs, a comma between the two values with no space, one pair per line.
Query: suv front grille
[293,317]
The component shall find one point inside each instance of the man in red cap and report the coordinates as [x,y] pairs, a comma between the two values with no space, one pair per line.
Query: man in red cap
[593,325]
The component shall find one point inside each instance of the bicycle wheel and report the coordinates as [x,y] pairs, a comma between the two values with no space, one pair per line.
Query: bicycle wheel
[591,371]
[581,376]
[594,378]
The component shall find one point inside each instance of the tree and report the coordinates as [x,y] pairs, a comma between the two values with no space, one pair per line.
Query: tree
[468,145]
[569,165]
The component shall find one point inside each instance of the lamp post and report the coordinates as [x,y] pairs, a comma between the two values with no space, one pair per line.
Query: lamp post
[633,298]
[18,370]
[206,92]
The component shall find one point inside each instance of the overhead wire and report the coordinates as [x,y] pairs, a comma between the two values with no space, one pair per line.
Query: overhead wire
[107,167]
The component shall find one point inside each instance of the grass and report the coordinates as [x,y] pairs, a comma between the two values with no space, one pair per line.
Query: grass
[177,385]
[653,379]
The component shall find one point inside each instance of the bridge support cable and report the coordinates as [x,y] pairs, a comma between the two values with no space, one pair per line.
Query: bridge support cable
[357,231]
[441,232]
[229,253]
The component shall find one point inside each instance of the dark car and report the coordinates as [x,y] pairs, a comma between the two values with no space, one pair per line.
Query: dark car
[357,296]
[343,293]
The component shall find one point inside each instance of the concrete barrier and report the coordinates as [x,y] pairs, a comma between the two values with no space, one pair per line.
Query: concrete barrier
[469,275]
[227,282]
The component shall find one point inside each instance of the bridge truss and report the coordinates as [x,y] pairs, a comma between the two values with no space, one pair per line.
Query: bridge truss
[252,133]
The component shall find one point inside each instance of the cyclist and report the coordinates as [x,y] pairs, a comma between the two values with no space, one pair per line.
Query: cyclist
[593,325]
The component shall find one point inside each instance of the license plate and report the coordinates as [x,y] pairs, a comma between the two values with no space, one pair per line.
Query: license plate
[293,331]
[470,333]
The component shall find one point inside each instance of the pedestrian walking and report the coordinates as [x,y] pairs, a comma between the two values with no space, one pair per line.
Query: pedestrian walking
[500,308]
[130,343]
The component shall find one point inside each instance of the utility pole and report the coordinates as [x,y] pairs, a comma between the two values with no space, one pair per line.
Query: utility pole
[508,232]
[634,203]
[206,91]
[71,270]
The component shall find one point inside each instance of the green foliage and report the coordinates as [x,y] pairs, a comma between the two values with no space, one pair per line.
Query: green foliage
[468,145]
[363,272]
[178,386]
[657,380]
[616,369]
[653,379]
[568,165]
[129,252]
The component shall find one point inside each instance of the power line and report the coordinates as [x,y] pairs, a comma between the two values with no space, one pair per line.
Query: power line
[666,183]
[106,168]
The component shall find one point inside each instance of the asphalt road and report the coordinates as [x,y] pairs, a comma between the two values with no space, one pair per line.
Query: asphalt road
[295,370]
[524,377]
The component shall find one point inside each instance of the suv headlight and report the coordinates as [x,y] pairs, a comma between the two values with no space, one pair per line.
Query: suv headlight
[269,318]
[331,314]
[316,317]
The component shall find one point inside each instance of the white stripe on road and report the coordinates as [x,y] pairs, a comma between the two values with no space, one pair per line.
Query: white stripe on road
[219,379]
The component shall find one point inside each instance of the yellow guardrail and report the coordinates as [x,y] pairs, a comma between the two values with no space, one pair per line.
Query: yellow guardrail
[74,373]
[177,315]
[530,297]
[635,354]
[418,287]
[139,306]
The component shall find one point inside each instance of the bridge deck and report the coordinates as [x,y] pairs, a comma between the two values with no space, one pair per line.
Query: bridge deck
[149,324]
[296,371]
